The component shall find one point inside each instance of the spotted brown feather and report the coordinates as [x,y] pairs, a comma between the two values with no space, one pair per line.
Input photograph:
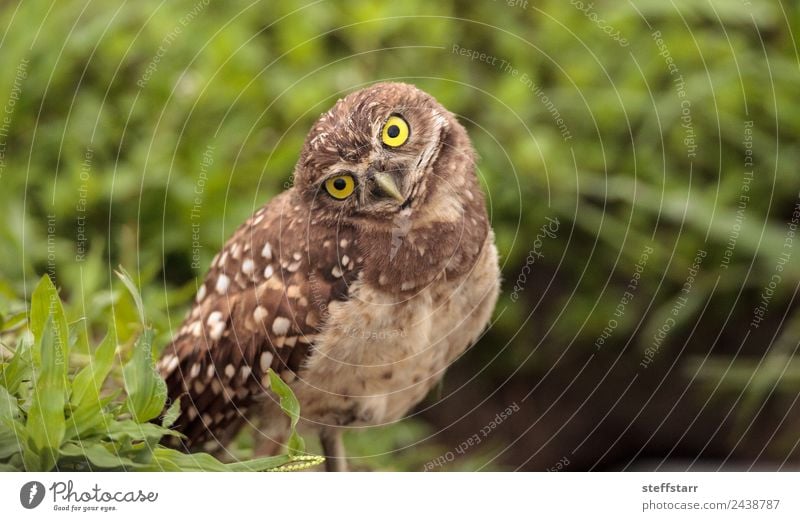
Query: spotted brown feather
[263,302]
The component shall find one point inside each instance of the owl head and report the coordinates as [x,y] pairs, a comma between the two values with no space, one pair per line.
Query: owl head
[382,150]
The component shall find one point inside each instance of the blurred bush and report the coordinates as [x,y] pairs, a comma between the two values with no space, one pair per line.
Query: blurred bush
[144,133]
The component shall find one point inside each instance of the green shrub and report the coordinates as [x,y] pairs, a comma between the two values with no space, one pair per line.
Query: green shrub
[59,415]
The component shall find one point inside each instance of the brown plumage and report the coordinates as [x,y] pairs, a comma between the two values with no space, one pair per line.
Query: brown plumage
[359,285]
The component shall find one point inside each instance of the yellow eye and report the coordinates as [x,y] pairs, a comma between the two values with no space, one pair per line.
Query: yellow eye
[395,131]
[341,186]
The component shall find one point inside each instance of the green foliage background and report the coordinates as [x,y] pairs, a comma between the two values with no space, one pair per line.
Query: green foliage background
[92,138]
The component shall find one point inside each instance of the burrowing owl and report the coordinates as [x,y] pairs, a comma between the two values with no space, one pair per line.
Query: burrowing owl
[359,285]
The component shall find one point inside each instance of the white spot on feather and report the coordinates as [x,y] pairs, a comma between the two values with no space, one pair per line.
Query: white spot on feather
[169,363]
[213,318]
[197,329]
[216,330]
[248,266]
[265,361]
[260,314]
[222,284]
[281,326]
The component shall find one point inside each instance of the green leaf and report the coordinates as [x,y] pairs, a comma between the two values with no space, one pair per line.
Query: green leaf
[45,303]
[147,392]
[13,320]
[98,456]
[124,430]
[171,460]
[31,462]
[11,438]
[76,330]
[172,414]
[126,279]
[9,408]
[19,368]
[46,422]
[291,407]
[85,419]
[89,381]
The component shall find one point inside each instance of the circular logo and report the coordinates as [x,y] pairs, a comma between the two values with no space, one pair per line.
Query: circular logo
[31,494]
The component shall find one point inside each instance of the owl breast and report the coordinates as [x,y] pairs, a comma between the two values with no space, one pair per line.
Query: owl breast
[379,355]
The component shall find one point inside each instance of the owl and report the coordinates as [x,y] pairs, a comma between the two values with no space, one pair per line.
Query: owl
[359,285]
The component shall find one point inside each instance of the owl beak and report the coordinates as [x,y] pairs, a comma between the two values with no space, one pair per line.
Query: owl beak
[386,186]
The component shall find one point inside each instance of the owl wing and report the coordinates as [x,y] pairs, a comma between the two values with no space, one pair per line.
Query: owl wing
[261,306]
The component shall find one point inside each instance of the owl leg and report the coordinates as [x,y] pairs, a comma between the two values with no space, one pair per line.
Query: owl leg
[333,449]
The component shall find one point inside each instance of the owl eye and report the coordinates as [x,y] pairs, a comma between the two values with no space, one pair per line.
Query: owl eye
[340,187]
[395,131]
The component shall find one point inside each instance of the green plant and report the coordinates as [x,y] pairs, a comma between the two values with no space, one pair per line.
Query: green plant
[58,414]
